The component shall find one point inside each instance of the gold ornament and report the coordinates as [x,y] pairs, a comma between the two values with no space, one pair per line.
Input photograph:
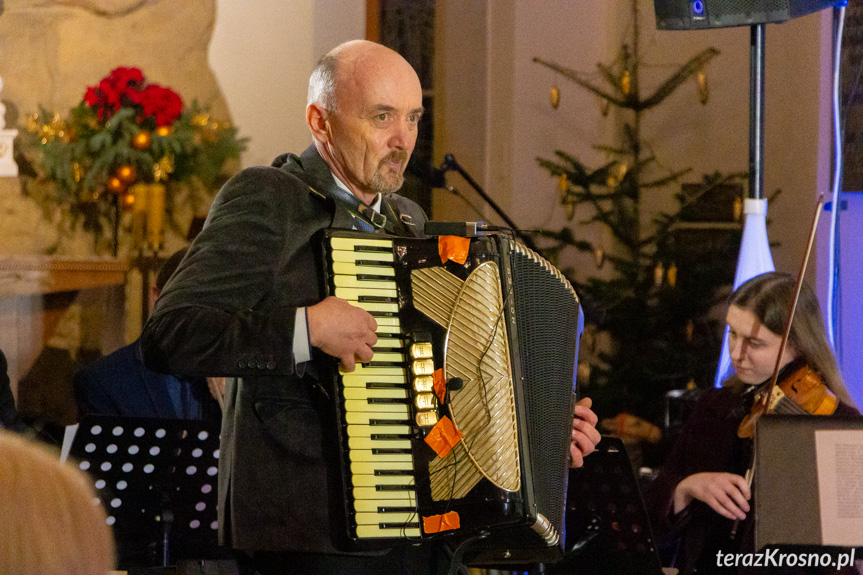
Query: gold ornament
[625,83]
[163,169]
[599,256]
[562,186]
[128,201]
[554,95]
[570,210]
[200,119]
[164,131]
[658,273]
[671,275]
[690,331]
[703,87]
[142,140]
[738,208]
[126,174]
[116,185]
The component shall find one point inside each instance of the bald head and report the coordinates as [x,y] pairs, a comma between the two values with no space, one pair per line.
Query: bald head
[364,106]
[348,56]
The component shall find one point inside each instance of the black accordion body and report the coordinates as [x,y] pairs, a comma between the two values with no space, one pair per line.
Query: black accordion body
[460,425]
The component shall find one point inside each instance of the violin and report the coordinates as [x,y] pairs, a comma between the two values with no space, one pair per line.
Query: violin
[799,390]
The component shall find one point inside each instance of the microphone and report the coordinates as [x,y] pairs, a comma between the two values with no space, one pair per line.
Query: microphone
[426,172]
[463,229]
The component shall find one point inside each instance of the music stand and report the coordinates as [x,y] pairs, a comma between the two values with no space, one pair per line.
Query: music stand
[607,528]
[156,479]
[786,454]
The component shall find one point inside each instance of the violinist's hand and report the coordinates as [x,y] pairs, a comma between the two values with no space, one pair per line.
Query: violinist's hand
[584,433]
[726,493]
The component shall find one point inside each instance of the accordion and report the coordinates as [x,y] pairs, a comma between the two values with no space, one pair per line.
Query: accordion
[460,425]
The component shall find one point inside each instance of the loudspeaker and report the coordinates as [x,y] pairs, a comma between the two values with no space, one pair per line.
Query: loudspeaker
[698,14]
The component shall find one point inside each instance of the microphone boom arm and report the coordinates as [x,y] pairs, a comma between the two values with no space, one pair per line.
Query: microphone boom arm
[450,163]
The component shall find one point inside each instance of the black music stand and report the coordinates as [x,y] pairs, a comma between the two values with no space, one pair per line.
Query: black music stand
[607,528]
[785,456]
[157,481]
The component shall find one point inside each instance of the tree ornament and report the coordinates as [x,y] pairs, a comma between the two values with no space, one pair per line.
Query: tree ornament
[164,131]
[658,274]
[115,185]
[127,201]
[738,208]
[142,140]
[563,186]
[703,87]
[626,82]
[126,174]
[554,95]
[690,331]
[599,256]
[671,275]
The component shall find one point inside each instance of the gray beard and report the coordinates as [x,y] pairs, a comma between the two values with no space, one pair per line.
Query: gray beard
[383,185]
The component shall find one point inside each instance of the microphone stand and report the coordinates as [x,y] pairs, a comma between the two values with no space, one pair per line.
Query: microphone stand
[450,163]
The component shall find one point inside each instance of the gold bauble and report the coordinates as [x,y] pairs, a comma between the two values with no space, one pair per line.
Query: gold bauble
[141,140]
[703,87]
[126,174]
[128,201]
[626,82]
[671,274]
[164,131]
[554,95]
[116,185]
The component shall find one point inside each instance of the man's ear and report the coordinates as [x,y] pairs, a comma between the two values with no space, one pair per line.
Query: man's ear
[316,118]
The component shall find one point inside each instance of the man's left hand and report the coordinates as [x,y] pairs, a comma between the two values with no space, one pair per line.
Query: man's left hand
[584,433]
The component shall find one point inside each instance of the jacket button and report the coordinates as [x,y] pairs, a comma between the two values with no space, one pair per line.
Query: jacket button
[251,363]
[261,365]
[271,364]
[241,364]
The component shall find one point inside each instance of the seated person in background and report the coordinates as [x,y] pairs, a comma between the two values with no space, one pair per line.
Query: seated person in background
[700,489]
[50,525]
[120,384]
[8,413]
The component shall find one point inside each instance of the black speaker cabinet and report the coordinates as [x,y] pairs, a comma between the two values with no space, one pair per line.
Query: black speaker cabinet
[698,14]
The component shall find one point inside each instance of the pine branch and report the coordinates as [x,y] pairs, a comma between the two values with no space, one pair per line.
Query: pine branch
[578,79]
[683,73]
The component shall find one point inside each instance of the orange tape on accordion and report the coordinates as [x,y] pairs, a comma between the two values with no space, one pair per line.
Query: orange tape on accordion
[439,384]
[443,436]
[438,523]
[453,248]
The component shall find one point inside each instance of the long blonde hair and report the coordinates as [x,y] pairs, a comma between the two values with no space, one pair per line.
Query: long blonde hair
[768,297]
[50,520]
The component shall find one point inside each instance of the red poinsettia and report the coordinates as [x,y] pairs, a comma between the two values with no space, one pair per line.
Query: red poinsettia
[126,87]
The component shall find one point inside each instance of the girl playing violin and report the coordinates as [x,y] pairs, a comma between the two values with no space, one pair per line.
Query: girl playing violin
[701,490]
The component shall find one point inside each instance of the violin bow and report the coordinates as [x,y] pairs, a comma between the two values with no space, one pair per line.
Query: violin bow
[750,472]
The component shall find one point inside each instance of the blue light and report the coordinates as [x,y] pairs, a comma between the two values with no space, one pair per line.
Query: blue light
[698,7]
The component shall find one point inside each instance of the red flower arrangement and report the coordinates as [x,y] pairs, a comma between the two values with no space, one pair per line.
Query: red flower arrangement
[126,87]
[127,131]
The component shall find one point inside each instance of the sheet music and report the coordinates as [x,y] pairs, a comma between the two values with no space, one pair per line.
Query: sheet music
[839,456]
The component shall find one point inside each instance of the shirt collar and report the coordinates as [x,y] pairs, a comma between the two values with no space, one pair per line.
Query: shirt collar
[375,205]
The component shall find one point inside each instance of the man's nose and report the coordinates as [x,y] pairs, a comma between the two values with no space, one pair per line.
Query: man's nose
[403,136]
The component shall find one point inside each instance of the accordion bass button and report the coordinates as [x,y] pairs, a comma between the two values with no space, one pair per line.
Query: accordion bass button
[423,367]
[426,418]
[425,401]
[424,384]
[421,350]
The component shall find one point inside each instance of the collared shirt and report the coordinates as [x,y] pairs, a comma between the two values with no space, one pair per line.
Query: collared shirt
[302,342]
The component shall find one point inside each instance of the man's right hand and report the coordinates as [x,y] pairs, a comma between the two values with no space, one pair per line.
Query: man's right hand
[343,331]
